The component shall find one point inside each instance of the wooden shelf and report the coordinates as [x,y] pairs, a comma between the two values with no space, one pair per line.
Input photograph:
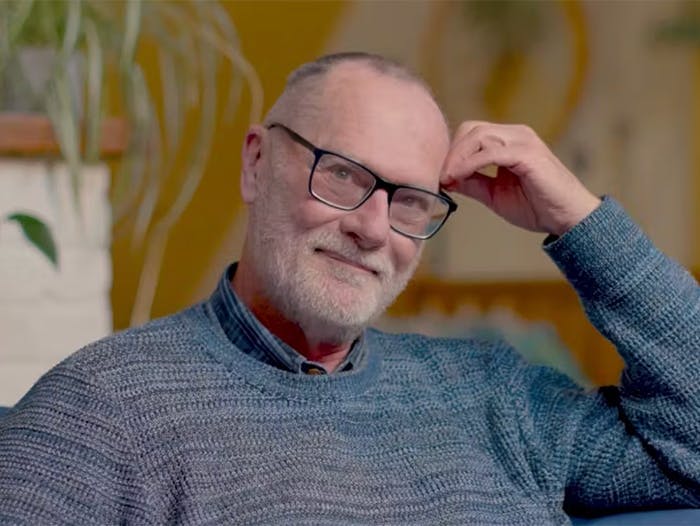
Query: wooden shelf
[31,135]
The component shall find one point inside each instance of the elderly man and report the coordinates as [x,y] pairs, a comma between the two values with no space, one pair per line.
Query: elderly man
[272,403]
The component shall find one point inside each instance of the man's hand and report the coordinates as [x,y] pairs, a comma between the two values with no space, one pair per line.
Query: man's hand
[532,188]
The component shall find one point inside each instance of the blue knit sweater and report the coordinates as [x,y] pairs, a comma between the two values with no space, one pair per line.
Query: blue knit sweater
[171,423]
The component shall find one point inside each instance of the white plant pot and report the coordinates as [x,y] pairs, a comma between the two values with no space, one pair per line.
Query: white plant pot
[45,313]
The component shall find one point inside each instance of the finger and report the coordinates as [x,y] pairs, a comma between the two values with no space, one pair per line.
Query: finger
[478,186]
[508,134]
[465,166]
[464,144]
[466,127]
[473,137]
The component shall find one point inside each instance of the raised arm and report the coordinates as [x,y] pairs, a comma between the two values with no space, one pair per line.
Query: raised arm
[633,446]
[639,445]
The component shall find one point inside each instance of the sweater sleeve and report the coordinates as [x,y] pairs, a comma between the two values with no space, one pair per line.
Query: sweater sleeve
[636,445]
[65,457]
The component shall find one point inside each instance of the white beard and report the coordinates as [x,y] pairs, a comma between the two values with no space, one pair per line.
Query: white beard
[330,301]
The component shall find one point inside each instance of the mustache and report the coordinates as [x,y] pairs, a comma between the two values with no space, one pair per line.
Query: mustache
[375,261]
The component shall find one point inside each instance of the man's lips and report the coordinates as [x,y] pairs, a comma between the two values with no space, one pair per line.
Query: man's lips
[343,259]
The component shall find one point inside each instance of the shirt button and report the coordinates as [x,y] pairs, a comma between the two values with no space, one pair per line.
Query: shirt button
[314,371]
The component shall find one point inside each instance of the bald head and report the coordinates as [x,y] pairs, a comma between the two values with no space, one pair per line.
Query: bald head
[302,98]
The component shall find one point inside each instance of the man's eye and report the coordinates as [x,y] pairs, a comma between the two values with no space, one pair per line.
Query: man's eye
[341,173]
[413,201]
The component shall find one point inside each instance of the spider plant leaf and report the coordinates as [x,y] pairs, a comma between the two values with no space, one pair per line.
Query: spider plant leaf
[205,136]
[18,16]
[179,77]
[173,111]
[151,192]
[176,43]
[155,249]
[192,88]
[228,49]
[44,26]
[247,71]
[182,23]
[94,81]
[239,63]
[132,25]
[61,110]
[152,189]
[4,39]
[140,147]
[73,28]
[38,234]
[144,105]
[217,14]
[221,20]
[13,17]
[128,181]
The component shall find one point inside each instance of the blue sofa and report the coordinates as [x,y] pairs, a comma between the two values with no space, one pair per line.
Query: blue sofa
[647,518]
[644,518]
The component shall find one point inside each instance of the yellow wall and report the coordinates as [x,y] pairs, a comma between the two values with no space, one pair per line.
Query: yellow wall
[275,37]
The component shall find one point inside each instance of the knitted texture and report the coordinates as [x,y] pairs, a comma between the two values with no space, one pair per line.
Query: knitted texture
[171,423]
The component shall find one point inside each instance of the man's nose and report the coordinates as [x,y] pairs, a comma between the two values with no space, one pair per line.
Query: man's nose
[369,224]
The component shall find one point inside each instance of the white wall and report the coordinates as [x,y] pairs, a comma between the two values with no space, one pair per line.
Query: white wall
[45,314]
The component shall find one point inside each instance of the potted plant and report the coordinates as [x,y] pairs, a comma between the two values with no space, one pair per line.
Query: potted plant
[78,62]
[192,38]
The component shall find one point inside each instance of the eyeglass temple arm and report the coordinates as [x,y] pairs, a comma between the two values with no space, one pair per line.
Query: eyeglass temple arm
[294,135]
[450,202]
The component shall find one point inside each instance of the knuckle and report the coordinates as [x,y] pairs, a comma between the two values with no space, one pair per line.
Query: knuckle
[470,126]
[464,128]
[526,130]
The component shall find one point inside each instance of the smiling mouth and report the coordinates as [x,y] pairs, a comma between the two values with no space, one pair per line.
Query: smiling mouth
[337,257]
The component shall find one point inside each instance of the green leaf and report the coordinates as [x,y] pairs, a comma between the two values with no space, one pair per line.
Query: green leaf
[38,234]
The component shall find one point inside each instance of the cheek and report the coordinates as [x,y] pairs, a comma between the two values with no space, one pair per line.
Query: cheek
[292,207]
[311,213]
[405,251]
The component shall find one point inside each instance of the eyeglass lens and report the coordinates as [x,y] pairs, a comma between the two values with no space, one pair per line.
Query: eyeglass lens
[343,184]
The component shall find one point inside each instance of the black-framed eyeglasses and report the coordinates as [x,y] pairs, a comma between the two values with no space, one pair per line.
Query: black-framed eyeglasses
[345,184]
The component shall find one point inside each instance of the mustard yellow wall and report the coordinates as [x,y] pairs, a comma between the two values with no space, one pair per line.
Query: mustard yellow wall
[275,37]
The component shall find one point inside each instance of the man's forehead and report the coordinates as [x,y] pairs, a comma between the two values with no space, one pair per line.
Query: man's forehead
[390,124]
[358,100]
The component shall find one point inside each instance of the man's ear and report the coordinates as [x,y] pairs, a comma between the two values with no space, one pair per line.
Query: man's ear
[251,160]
